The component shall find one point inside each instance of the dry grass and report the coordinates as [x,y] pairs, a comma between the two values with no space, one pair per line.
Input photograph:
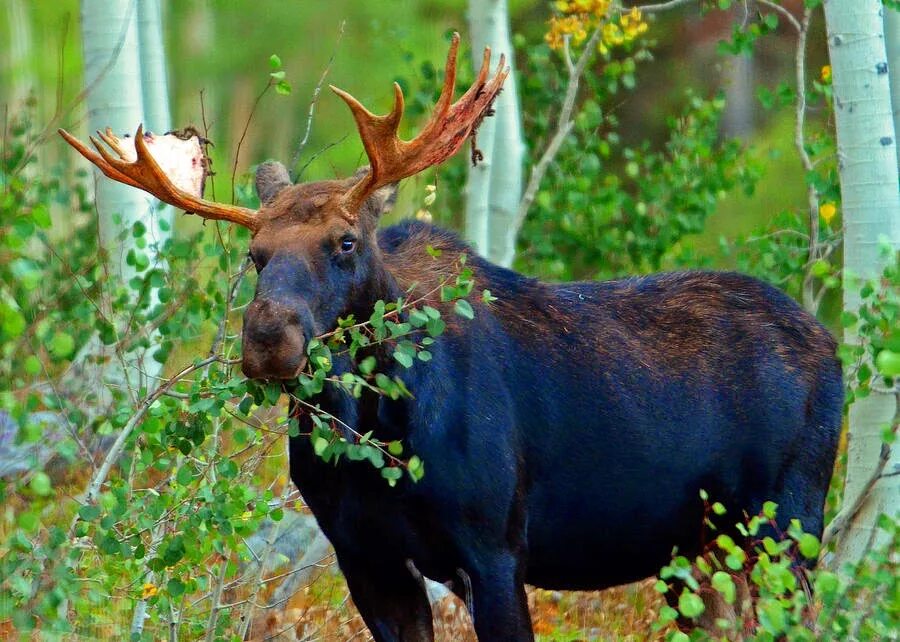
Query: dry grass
[323,611]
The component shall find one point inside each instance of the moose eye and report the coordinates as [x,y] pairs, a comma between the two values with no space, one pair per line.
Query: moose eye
[348,244]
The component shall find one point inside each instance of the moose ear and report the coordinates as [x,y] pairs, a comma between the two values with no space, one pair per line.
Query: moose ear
[382,200]
[271,178]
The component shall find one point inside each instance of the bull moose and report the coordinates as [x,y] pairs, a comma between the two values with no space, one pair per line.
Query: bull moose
[567,429]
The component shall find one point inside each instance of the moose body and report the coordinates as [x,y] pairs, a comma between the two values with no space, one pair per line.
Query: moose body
[566,430]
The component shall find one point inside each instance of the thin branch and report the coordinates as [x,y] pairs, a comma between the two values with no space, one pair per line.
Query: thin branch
[216,599]
[258,582]
[848,512]
[809,299]
[565,123]
[662,6]
[315,99]
[237,151]
[785,13]
[93,488]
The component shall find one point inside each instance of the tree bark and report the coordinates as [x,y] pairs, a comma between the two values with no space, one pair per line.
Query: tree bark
[494,185]
[892,46]
[115,99]
[867,158]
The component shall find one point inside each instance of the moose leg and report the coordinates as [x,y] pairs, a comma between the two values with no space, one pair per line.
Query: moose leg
[392,602]
[498,600]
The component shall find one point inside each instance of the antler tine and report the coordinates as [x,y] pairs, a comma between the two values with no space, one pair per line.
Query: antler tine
[96,159]
[145,173]
[391,158]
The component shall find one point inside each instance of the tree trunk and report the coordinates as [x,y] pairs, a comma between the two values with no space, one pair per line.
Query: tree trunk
[113,75]
[155,98]
[495,184]
[892,46]
[871,208]
[20,53]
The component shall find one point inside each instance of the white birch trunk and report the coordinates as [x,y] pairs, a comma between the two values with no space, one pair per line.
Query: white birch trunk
[871,208]
[155,98]
[892,45]
[113,74]
[20,53]
[494,186]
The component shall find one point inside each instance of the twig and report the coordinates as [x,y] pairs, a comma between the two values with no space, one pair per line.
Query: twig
[315,98]
[662,6]
[258,582]
[847,513]
[564,126]
[809,298]
[216,599]
[237,152]
[93,487]
[319,153]
[60,112]
[140,610]
[786,14]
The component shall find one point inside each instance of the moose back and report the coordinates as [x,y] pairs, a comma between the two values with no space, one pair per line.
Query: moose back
[567,429]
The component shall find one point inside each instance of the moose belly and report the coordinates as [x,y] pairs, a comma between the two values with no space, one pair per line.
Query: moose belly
[612,493]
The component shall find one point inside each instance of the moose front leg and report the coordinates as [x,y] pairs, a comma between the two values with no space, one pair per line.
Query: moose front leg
[393,604]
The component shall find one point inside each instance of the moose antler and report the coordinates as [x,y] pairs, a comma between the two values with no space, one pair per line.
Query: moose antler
[146,174]
[391,158]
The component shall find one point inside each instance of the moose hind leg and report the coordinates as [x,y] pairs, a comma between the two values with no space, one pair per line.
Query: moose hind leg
[393,604]
[498,601]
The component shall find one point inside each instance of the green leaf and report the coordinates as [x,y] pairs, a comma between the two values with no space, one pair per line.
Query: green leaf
[724,584]
[274,61]
[690,604]
[416,468]
[40,484]
[403,358]
[32,365]
[808,546]
[277,75]
[464,309]
[185,475]
[62,345]
[888,363]
[283,88]
[89,512]
[367,365]
[320,445]
[769,509]
[395,448]
[175,587]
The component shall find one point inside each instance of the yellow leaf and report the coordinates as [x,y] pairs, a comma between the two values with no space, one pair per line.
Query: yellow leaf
[827,211]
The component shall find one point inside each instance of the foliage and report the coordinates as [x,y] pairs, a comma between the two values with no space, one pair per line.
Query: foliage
[194,469]
[202,452]
[612,209]
[874,359]
[750,584]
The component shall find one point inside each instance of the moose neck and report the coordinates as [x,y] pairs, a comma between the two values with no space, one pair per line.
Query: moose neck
[379,286]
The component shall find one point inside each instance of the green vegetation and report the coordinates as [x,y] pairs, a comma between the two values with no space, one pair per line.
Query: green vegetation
[87,539]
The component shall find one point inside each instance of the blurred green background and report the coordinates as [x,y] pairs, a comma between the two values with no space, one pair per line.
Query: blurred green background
[218,55]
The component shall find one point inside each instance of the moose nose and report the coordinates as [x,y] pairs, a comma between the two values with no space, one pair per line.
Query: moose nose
[273,341]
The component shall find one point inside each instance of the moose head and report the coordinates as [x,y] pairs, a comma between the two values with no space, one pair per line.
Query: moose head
[314,244]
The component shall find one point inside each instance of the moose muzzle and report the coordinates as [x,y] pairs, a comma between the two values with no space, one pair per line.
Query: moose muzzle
[274,346]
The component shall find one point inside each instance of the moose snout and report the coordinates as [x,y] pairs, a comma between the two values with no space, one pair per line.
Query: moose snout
[273,341]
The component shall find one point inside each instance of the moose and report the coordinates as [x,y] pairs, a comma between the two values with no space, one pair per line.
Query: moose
[567,429]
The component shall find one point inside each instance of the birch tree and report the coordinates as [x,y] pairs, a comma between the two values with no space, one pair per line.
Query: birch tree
[867,158]
[124,73]
[495,184]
